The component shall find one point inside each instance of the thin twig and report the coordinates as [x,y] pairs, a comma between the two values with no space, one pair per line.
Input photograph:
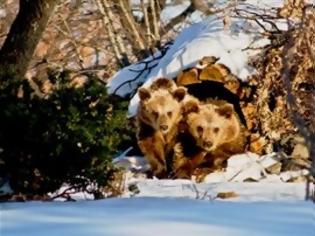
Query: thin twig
[73,41]
[64,194]
[132,24]
[263,17]
[146,68]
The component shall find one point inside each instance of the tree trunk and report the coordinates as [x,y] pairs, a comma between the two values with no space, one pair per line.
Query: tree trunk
[25,33]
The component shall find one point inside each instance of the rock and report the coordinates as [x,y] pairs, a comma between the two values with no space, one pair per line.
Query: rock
[226,195]
[294,164]
[272,178]
[243,167]
[274,169]
[271,164]
[268,160]
[215,177]
[290,175]
[298,179]
[133,188]
[132,163]
[300,151]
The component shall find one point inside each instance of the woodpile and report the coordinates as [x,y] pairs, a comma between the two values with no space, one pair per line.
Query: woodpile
[263,99]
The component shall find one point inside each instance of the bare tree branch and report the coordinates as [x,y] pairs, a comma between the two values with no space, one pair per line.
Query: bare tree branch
[149,35]
[120,44]
[155,21]
[118,48]
[132,25]
[148,66]
[176,20]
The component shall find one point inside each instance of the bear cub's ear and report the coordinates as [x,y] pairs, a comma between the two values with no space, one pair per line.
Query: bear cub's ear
[163,83]
[144,94]
[226,110]
[179,94]
[190,107]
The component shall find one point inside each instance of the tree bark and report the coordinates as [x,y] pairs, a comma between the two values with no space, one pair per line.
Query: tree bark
[24,35]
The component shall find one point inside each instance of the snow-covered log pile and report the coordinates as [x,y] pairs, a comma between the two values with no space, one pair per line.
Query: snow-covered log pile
[263,54]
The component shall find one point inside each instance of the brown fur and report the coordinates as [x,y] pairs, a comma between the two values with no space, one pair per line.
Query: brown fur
[163,83]
[157,121]
[210,134]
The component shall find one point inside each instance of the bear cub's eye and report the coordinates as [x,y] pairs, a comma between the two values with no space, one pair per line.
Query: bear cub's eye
[199,129]
[169,114]
[216,130]
[155,114]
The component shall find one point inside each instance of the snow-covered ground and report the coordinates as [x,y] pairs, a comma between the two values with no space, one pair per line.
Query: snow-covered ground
[169,207]
[173,207]
[243,192]
[157,216]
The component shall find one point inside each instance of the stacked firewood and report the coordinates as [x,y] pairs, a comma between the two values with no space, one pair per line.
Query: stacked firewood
[262,101]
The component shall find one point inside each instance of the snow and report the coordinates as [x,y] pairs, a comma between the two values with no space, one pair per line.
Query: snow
[246,191]
[131,163]
[173,207]
[171,11]
[266,4]
[119,84]
[233,45]
[240,168]
[157,216]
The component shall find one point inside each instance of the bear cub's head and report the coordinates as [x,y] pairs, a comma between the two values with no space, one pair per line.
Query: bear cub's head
[160,104]
[210,125]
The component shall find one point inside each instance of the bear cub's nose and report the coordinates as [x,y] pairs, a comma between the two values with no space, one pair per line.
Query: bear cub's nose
[208,144]
[164,127]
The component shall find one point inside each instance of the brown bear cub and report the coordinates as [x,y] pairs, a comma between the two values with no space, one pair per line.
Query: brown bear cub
[210,133]
[159,114]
